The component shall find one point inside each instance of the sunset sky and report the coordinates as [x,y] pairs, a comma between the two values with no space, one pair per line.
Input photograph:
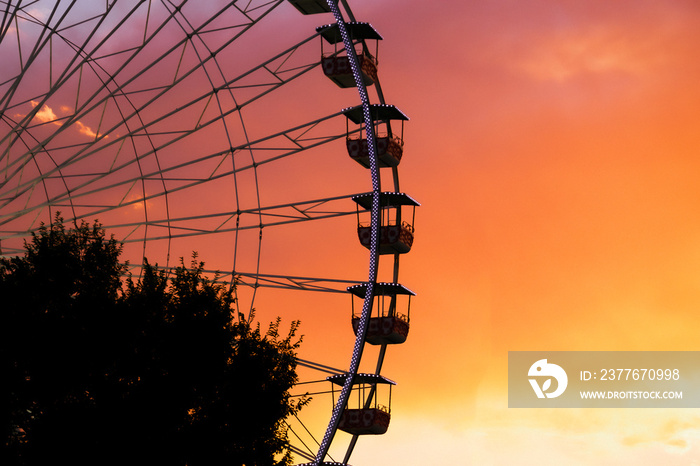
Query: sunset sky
[554,147]
[556,156]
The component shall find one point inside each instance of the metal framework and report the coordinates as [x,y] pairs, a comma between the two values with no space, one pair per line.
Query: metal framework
[127,110]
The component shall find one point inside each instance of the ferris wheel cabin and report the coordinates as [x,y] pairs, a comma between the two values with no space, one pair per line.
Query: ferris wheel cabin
[396,234]
[391,323]
[336,64]
[389,144]
[311,7]
[363,415]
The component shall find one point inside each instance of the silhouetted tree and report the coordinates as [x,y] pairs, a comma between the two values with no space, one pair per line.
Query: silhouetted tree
[158,371]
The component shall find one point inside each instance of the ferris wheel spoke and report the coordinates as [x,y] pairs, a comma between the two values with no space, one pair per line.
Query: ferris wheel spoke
[319,367]
[298,143]
[271,148]
[94,101]
[257,218]
[326,285]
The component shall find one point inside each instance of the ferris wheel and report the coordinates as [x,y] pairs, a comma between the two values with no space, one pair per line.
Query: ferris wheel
[256,133]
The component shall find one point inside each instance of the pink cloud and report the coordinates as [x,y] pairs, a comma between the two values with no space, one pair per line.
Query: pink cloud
[45,114]
[86,130]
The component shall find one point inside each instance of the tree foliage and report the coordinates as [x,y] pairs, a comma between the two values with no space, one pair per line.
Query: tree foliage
[101,370]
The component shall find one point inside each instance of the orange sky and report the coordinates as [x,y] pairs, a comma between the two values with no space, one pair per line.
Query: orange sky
[554,147]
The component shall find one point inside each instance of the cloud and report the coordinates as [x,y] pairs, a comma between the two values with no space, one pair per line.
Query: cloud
[564,41]
[507,444]
[137,202]
[591,51]
[86,130]
[45,114]
[675,434]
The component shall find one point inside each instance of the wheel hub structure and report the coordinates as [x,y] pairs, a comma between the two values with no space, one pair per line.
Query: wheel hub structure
[255,133]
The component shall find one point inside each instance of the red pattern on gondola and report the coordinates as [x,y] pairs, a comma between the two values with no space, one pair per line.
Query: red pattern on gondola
[364,421]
